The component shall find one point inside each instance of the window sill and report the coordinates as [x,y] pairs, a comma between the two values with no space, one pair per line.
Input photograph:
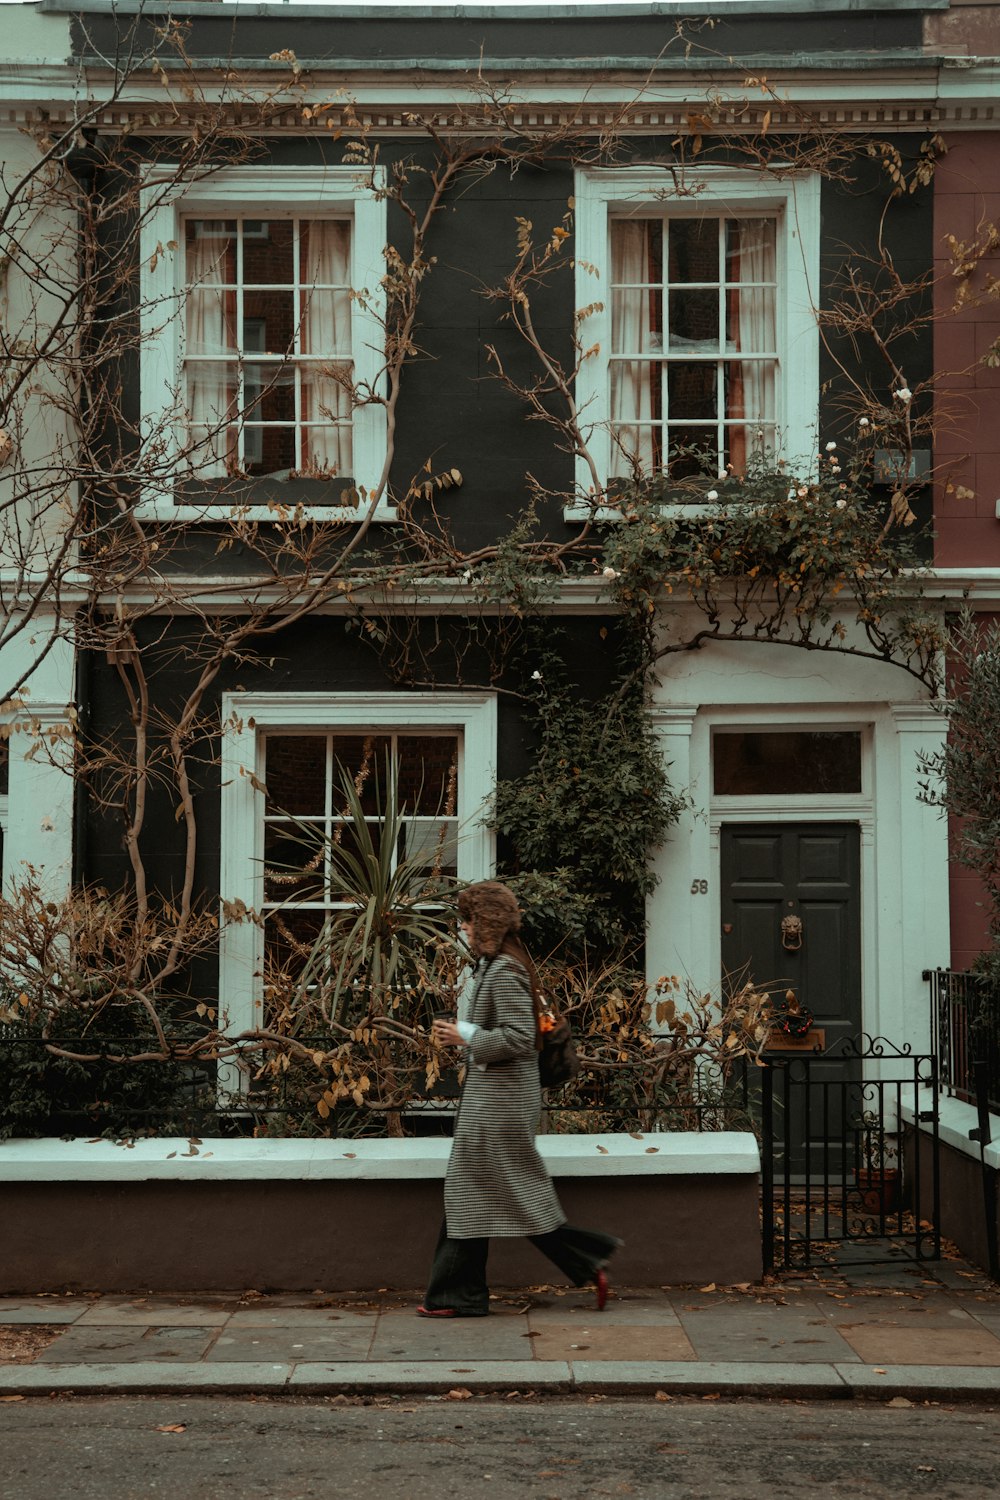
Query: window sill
[610,514]
[166,511]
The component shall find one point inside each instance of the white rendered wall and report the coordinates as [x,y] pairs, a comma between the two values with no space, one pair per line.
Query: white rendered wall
[39,832]
[904,852]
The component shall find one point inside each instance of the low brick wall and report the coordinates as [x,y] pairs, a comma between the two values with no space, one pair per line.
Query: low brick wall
[353,1215]
[963,1206]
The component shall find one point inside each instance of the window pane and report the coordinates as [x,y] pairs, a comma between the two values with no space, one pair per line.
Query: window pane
[295,773]
[289,937]
[694,250]
[268,450]
[324,249]
[274,313]
[693,391]
[750,320]
[210,326]
[632,445]
[293,862]
[692,450]
[211,390]
[267,252]
[433,843]
[428,768]
[363,757]
[210,251]
[636,321]
[325,324]
[787,763]
[694,318]
[750,250]
[635,391]
[269,392]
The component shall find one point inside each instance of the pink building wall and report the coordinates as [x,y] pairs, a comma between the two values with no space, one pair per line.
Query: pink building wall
[967,419]
[967,404]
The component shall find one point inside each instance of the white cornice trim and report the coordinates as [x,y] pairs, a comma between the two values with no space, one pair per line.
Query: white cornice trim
[196,592]
[960,91]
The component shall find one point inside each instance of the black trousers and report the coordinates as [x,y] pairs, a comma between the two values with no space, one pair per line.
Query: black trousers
[458,1274]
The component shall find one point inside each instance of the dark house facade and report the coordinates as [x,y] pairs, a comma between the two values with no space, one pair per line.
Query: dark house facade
[694,280]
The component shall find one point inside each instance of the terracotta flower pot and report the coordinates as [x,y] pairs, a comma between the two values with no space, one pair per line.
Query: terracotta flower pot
[879,1189]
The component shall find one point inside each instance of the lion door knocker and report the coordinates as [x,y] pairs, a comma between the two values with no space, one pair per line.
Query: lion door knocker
[791,933]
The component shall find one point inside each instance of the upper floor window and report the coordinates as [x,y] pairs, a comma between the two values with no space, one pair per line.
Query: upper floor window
[262,340]
[267,362]
[702,339]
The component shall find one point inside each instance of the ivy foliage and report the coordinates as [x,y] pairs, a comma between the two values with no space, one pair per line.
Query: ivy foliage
[585,819]
[771,556]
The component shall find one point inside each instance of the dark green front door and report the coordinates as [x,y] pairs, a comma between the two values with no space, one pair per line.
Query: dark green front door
[810,871]
[806,870]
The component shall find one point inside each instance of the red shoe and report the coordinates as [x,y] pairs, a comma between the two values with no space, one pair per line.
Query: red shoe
[601,1284]
[436,1312]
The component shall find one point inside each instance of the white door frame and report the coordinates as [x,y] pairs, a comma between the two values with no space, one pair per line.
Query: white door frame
[903,854]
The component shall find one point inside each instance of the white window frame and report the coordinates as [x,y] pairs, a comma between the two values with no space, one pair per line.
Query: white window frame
[712,191]
[247,718]
[261,191]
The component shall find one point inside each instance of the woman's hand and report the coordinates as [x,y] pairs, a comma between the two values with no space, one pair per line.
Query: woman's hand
[446,1034]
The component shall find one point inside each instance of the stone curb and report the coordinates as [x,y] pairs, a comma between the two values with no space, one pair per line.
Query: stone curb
[592,1377]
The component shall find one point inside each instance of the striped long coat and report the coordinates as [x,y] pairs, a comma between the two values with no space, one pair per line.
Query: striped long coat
[496,1183]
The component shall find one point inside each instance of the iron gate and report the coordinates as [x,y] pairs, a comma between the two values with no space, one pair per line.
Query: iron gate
[833,1164]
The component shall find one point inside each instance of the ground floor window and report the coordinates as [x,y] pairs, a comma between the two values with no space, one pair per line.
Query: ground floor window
[307,819]
[292,763]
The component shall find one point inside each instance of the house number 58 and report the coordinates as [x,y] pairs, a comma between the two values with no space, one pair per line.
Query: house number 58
[699,887]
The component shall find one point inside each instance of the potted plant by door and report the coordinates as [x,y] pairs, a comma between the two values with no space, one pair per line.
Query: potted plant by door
[877,1171]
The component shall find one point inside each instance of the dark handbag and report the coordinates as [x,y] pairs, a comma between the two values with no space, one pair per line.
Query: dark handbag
[557,1059]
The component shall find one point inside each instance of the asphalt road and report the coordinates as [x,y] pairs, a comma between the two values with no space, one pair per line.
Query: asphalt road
[415,1449]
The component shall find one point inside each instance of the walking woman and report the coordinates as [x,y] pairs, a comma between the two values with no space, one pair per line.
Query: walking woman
[497,1184]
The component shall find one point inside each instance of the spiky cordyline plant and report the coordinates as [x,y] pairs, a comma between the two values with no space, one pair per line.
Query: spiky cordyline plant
[389,945]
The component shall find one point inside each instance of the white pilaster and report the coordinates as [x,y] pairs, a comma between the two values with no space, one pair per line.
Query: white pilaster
[922,939]
[676,918]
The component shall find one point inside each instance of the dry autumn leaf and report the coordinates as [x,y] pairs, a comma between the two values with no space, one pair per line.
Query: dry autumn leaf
[459,1394]
[172,1427]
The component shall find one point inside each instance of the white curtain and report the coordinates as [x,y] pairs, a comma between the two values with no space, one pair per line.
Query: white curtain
[632,333]
[210,330]
[752,390]
[326,340]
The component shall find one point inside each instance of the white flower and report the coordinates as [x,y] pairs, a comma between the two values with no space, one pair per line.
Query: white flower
[536,676]
[830,447]
[610,573]
[712,495]
[903,394]
[864,422]
[803,492]
[723,473]
[841,504]
[836,468]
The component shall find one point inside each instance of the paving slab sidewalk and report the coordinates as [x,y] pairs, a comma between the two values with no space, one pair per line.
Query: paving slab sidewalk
[895,1330]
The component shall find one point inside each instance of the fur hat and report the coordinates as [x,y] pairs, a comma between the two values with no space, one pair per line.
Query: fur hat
[493,911]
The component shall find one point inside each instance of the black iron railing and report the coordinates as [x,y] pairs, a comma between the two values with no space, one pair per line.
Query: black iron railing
[965,1029]
[45,1094]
